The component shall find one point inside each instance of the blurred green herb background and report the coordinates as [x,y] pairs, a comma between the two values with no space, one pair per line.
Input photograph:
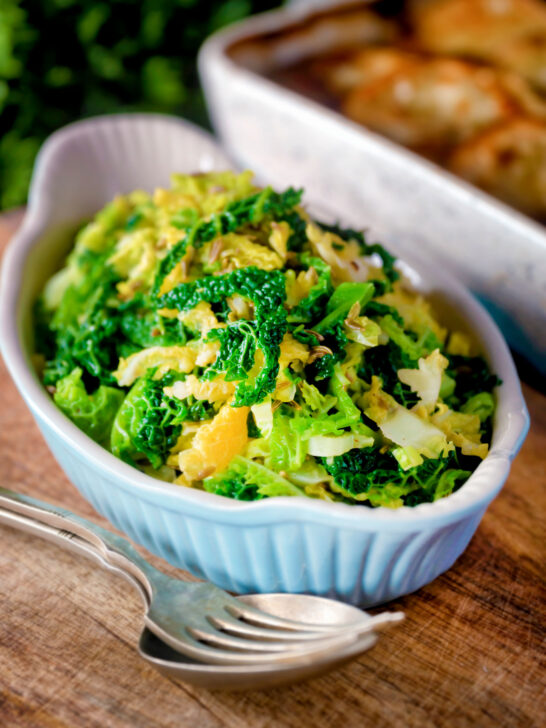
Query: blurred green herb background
[62,60]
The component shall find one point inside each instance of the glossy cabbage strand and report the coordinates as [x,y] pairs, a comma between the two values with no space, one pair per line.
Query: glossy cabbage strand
[148,422]
[366,249]
[250,210]
[266,290]
[367,474]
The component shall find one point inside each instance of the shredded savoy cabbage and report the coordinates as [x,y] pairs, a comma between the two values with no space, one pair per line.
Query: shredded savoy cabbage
[217,337]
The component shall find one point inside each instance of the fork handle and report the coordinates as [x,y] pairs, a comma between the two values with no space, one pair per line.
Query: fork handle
[69,541]
[115,550]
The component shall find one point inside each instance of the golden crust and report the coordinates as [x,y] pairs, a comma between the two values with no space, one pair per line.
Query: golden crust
[431,103]
[526,56]
[363,67]
[509,162]
[474,26]
[509,33]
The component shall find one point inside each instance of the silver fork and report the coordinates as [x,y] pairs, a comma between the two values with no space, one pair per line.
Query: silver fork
[199,620]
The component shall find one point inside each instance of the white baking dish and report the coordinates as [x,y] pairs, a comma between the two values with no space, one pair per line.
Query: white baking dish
[407,202]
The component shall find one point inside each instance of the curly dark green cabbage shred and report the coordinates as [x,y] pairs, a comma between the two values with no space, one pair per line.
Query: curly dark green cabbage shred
[237,489]
[312,306]
[361,470]
[248,211]
[266,290]
[84,328]
[149,422]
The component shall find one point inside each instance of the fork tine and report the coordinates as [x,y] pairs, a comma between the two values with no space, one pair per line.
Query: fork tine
[193,648]
[259,618]
[231,625]
[250,631]
[218,638]
[286,639]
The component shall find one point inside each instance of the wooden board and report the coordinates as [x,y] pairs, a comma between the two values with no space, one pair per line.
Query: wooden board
[469,653]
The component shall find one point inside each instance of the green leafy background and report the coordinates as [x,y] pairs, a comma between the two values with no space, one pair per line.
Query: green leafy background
[62,60]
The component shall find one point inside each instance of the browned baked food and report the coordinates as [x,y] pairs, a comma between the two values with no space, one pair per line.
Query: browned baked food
[431,104]
[526,56]
[508,161]
[507,33]
[361,68]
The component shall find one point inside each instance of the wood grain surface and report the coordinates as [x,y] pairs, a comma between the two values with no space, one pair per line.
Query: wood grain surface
[471,652]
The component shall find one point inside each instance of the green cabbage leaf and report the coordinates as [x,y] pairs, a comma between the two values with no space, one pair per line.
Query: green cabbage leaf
[245,479]
[93,413]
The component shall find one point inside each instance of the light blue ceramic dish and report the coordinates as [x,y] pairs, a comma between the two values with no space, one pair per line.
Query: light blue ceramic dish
[357,554]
